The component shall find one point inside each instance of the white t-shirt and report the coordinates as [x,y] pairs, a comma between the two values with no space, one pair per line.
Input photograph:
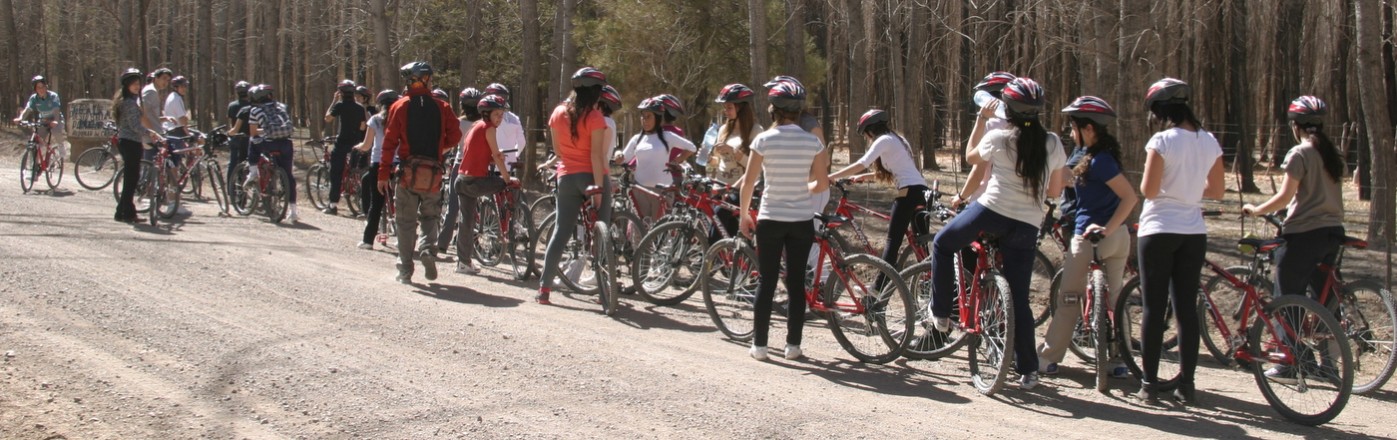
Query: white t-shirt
[651,156]
[992,124]
[1008,194]
[787,152]
[896,158]
[730,167]
[610,136]
[376,153]
[509,136]
[174,108]
[1188,157]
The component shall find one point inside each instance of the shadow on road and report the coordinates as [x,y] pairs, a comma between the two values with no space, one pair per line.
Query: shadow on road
[464,295]
[896,378]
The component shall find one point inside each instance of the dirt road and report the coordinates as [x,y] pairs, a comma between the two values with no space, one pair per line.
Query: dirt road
[219,327]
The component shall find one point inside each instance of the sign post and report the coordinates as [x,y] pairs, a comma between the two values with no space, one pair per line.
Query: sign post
[86,124]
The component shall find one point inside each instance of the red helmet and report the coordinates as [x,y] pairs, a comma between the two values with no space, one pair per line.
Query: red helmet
[780,79]
[496,89]
[346,86]
[673,106]
[1023,96]
[995,81]
[469,97]
[1093,108]
[1307,110]
[491,102]
[735,93]
[872,117]
[363,91]
[610,97]
[787,96]
[588,77]
[652,105]
[1167,90]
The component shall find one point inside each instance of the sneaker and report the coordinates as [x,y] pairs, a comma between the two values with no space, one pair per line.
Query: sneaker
[1050,369]
[253,174]
[793,352]
[333,210]
[942,325]
[1029,381]
[366,246]
[542,297]
[1281,374]
[466,269]
[293,216]
[429,266]
[758,353]
[1120,371]
[404,276]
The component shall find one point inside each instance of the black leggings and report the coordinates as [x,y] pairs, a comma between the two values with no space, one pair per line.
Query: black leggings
[1297,262]
[1170,266]
[373,201]
[131,152]
[904,211]
[774,239]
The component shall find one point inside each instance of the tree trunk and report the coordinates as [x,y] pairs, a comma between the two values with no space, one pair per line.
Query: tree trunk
[858,75]
[207,100]
[378,11]
[7,19]
[1368,30]
[528,82]
[756,48]
[250,41]
[561,81]
[470,50]
[1239,106]
[795,38]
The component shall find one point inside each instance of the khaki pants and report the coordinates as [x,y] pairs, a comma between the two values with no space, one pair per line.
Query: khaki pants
[1113,250]
[414,208]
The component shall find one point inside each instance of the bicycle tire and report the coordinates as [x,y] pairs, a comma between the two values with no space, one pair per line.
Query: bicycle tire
[351,192]
[53,173]
[242,196]
[1228,301]
[1101,334]
[191,186]
[663,270]
[1368,318]
[881,331]
[521,228]
[995,342]
[729,283]
[1040,288]
[626,232]
[603,265]
[1083,342]
[1128,315]
[171,193]
[927,343]
[217,185]
[28,170]
[278,197]
[318,186]
[1318,324]
[543,207]
[153,185]
[96,168]
[489,246]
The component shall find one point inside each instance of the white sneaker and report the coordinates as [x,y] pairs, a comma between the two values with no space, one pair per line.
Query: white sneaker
[1028,381]
[942,325]
[293,216]
[758,353]
[466,269]
[793,352]
[366,246]
[252,175]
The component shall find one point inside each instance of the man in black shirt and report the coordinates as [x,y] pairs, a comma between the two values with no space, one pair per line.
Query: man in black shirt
[237,132]
[353,119]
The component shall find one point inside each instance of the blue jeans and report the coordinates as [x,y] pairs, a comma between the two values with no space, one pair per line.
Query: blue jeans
[1017,241]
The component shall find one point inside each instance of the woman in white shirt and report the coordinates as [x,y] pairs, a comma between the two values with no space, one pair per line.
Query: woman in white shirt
[651,151]
[1183,165]
[734,144]
[1028,163]
[893,164]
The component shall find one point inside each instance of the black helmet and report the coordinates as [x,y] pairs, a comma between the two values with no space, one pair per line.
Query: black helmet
[38,79]
[734,93]
[161,71]
[1307,110]
[673,107]
[497,89]
[872,117]
[470,97]
[1023,96]
[652,105]
[346,86]
[129,74]
[386,98]
[588,77]
[363,91]
[260,93]
[179,81]
[415,70]
[241,88]
[491,102]
[1093,108]
[787,96]
[1167,90]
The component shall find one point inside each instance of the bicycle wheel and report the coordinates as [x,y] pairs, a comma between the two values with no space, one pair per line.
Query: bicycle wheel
[318,186]
[626,232]
[96,168]
[543,207]
[927,343]
[351,192]
[1040,288]
[1129,314]
[154,186]
[1083,343]
[242,196]
[170,193]
[489,246]
[992,351]
[603,268]
[668,262]
[1311,359]
[521,225]
[574,265]
[53,173]
[1100,327]
[729,283]
[194,181]
[873,324]
[1227,299]
[217,186]
[1368,319]
[278,195]
[28,170]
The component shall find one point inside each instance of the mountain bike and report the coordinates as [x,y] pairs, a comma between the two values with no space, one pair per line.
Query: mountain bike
[40,157]
[97,167]
[588,264]
[270,191]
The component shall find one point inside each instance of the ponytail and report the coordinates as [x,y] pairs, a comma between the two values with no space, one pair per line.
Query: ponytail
[1333,161]
[1105,142]
[1030,151]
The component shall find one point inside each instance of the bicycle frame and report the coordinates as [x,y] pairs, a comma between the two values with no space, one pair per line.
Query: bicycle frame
[970,294]
[837,268]
[1252,306]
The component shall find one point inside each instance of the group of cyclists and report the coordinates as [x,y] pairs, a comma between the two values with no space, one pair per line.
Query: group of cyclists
[779,179]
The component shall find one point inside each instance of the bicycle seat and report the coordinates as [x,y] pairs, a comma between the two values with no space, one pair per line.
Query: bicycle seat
[1260,244]
[1355,242]
[831,221]
[1095,236]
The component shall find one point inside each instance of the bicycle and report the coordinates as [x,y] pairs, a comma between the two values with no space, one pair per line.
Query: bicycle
[40,156]
[318,177]
[669,259]
[1093,338]
[270,191]
[1364,309]
[503,226]
[97,167]
[872,324]
[172,177]
[587,255]
[918,248]
[1289,332]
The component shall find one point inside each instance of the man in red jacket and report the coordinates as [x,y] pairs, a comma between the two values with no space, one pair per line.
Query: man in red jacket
[420,130]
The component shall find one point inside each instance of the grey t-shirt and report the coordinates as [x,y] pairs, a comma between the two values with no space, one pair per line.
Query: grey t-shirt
[153,106]
[1318,203]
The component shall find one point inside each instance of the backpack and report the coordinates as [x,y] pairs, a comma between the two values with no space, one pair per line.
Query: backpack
[276,123]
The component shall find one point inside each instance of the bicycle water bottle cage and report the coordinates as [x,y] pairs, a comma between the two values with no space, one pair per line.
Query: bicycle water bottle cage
[1254,245]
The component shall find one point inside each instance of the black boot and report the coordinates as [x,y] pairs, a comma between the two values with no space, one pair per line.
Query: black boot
[1149,393]
[1185,393]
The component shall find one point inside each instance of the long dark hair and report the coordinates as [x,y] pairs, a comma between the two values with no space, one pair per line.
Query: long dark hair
[742,126]
[1105,143]
[659,131]
[122,94]
[1175,114]
[471,113]
[1333,161]
[881,172]
[1030,151]
[582,102]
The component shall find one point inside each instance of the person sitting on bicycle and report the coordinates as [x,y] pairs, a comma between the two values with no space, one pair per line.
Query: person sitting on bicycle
[469,115]
[132,129]
[1027,164]
[475,179]
[420,130]
[1183,165]
[1105,200]
[987,95]
[1313,228]
[373,146]
[47,108]
[176,117]
[353,121]
[890,157]
[790,159]
[265,112]
[579,138]
[510,133]
[650,149]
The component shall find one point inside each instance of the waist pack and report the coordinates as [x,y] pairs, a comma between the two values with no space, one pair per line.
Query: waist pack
[421,175]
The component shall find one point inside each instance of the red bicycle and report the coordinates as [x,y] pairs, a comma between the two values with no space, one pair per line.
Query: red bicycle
[318,177]
[503,225]
[588,265]
[40,157]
